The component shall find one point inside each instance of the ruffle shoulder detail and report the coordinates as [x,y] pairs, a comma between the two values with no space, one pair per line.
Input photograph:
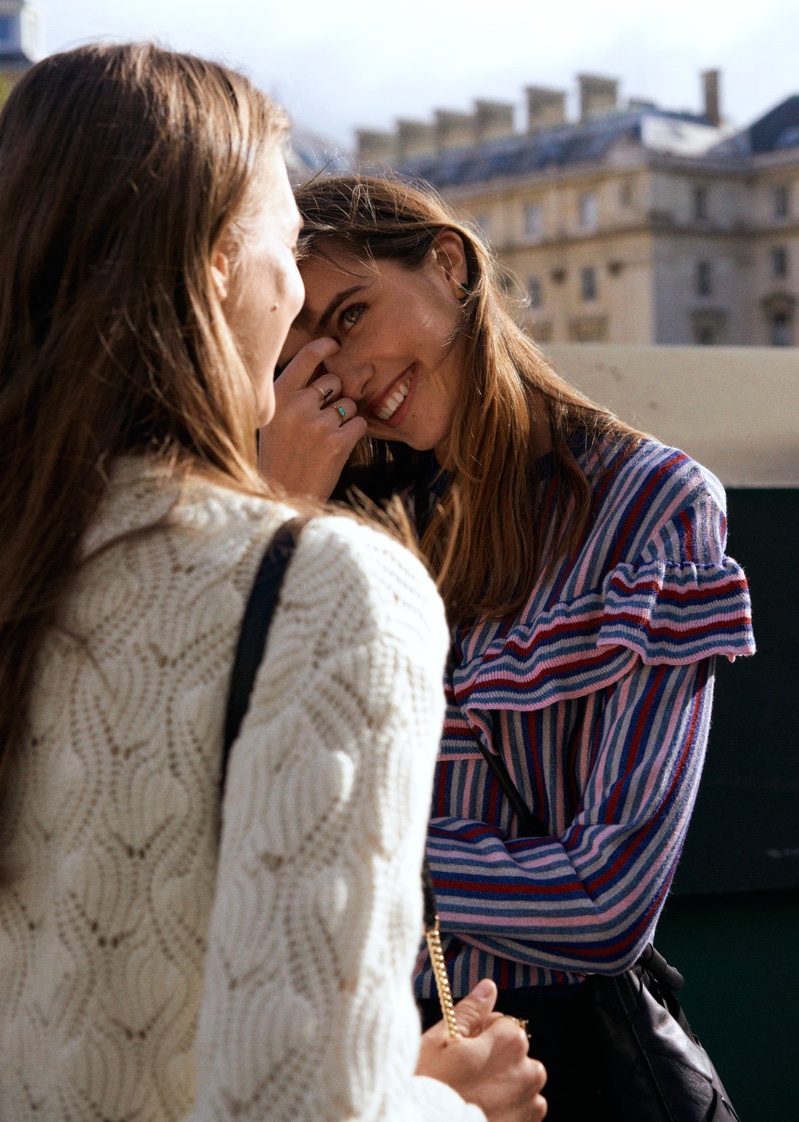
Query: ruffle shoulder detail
[680,600]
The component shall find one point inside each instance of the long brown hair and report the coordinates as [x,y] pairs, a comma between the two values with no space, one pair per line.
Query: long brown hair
[484,541]
[120,168]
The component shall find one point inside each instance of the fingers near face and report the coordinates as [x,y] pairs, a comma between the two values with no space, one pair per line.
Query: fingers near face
[399,353]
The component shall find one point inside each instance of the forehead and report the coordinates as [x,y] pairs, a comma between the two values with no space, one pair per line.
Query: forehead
[272,194]
[328,271]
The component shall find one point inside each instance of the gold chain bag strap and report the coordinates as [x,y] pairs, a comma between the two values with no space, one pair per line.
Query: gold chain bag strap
[433,939]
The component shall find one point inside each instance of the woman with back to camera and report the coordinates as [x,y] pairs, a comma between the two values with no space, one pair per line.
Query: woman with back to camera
[162,957]
[583,569]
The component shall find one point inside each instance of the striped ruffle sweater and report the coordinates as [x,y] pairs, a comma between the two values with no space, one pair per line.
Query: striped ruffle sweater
[597,695]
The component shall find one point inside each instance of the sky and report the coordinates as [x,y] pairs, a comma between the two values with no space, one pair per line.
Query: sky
[341,65]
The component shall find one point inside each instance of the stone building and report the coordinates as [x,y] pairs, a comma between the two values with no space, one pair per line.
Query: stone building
[20,42]
[633,224]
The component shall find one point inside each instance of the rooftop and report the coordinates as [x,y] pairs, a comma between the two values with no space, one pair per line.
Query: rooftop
[572,143]
[460,149]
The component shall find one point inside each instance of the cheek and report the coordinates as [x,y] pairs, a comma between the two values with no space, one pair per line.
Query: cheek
[295,291]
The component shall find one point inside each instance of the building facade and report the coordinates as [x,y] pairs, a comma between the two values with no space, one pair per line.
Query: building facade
[633,224]
[20,42]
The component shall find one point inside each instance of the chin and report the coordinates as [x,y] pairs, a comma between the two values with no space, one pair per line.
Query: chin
[265,412]
[264,402]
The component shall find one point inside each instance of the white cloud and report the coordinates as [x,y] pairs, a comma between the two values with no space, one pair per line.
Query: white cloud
[339,65]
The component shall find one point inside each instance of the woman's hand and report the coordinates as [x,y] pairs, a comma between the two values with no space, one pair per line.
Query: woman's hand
[489,1065]
[306,445]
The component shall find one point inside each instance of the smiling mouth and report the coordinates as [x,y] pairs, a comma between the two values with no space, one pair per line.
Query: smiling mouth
[389,407]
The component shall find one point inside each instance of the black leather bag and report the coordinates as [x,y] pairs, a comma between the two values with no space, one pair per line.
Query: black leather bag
[655,1066]
[656,1069]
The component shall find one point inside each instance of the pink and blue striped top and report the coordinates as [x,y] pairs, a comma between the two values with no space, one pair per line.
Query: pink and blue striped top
[597,695]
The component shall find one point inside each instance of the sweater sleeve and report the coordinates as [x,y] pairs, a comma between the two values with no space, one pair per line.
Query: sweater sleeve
[307,1011]
[588,899]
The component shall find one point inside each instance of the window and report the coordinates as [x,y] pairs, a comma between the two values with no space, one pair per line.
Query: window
[535,293]
[779,261]
[588,288]
[701,210]
[781,333]
[781,201]
[6,29]
[588,329]
[705,335]
[533,221]
[626,194]
[703,281]
[709,326]
[589,211]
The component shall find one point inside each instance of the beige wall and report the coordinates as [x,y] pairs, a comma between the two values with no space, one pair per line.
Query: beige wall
[736,410]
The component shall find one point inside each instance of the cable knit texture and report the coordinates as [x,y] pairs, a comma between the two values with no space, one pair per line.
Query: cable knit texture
[158,963]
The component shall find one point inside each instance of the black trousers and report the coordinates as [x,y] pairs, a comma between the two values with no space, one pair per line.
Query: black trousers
[562,1036]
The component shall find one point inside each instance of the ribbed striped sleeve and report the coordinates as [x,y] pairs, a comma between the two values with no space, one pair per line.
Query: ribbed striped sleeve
[597,697]
[587,899]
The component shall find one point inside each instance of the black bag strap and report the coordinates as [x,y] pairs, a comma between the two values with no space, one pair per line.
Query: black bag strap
[255,627]
[250,651]
[529,827]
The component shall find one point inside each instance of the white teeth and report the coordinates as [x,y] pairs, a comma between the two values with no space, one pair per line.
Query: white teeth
[392,404]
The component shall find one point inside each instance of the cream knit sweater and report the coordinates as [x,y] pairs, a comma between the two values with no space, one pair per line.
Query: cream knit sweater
[150,972]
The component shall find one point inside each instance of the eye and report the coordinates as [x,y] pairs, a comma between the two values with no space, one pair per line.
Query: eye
[350,316]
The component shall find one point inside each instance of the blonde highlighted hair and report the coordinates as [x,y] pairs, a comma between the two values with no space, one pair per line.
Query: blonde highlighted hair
[120,168]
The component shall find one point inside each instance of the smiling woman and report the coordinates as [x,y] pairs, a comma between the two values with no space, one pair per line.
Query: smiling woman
[584,572]
[400,352]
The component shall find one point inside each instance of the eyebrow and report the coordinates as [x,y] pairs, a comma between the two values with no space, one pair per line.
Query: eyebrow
[304,318]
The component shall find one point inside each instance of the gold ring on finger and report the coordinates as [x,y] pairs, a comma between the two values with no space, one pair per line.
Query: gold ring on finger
[520,1022]
[325,394]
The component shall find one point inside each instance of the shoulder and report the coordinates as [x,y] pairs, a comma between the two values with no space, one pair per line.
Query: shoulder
[360,582]
[652,500]
[337,553]
[651,578]
[197,542]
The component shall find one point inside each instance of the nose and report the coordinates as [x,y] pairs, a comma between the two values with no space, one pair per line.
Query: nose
[355,374]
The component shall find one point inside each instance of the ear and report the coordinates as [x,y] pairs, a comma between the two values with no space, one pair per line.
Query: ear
[220,273]
[450,255]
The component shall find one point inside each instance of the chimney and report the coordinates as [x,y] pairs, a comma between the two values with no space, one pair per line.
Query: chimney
[454,130]
[711,81]
[545,108]
[376,148]
[493,120]
[598,96]
[415,138]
